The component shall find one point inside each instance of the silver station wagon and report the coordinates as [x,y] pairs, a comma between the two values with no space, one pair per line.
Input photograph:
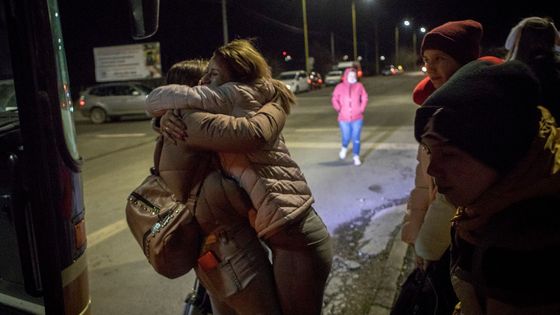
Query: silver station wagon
[111,101]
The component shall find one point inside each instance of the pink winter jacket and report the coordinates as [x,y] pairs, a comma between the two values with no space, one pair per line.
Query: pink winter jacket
[349,100]
[272,179]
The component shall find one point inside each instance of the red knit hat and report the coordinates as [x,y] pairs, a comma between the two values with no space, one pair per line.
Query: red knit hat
[459,39]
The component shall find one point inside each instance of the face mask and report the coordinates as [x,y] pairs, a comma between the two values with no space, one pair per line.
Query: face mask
[351,78]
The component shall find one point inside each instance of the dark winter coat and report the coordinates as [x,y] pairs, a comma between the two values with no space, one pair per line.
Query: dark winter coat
[509,265]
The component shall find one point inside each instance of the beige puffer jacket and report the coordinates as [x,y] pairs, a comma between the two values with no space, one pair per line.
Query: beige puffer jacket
[420,198]
[221,212]
[232,98]
[253,152]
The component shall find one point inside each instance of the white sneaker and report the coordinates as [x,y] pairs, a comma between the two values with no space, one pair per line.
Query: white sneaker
[342,153]
[357,161]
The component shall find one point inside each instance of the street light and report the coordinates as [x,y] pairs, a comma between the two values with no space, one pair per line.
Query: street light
[354,36]
[406,23]
[224,21]
[305,39]
[414,40]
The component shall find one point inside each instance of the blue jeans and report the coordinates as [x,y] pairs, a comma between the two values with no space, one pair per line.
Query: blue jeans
[351,130]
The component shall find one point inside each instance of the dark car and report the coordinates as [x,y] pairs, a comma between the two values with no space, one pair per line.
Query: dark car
[315,80]
[113,100]
[390,70]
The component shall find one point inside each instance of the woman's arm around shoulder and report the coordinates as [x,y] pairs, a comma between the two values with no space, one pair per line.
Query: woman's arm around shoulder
[174,96]
[223,133]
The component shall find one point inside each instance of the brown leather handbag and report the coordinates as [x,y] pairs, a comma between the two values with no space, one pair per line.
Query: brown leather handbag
[165,228]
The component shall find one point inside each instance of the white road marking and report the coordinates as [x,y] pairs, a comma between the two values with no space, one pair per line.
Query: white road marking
[105,233]
[365,145]
[122,135]
[112,229]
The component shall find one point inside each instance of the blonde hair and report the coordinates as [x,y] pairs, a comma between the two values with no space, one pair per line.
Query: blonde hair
[247,65]
[187,72]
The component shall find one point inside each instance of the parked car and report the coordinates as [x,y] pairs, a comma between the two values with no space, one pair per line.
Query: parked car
[389,70]
[343,65]
[295,80]
[333,77]
[315,80]
[110,101]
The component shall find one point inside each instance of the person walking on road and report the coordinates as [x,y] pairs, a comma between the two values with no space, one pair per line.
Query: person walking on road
[350,99]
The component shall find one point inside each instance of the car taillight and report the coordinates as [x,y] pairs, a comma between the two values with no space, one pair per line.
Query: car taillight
[309,81]
[360,73]
[82,101]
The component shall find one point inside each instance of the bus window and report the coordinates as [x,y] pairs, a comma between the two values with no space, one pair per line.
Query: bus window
[7,96]
[66,107]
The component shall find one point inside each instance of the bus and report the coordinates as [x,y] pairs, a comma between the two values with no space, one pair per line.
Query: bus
[43,265]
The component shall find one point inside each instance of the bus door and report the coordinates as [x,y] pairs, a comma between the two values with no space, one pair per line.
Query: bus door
[43,268]
[43,264]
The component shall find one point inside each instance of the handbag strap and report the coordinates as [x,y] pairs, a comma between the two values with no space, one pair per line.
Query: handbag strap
[199,175]
[154,170]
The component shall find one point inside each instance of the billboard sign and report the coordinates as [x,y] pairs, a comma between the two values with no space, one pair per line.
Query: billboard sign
[127,62]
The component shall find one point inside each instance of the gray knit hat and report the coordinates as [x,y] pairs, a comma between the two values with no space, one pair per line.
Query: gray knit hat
[487,110]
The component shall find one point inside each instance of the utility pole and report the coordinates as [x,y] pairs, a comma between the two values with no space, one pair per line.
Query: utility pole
[224,21]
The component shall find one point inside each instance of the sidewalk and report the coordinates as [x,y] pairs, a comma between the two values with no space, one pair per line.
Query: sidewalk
[368,283]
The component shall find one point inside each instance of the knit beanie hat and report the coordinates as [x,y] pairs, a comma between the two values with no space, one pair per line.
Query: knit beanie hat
[533,35]
[487,110]
[459,39]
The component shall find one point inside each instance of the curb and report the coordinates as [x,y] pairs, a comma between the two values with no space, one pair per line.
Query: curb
[387,290]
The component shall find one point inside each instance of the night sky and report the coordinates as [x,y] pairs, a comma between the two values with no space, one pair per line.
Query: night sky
[193,28]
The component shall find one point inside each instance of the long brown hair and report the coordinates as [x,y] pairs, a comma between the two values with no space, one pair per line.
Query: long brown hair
[187,72]
[247,65]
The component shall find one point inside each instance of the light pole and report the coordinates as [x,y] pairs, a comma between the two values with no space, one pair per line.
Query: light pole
[354,36]
[376,48]
[396,45]
[414,40]
[305,39]
[405,23]
[224,21]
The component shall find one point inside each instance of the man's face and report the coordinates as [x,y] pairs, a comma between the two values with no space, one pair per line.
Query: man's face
[217,73]
[458,175]
[440,66]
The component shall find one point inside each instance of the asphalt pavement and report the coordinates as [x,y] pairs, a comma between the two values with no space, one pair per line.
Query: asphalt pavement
[370,261]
